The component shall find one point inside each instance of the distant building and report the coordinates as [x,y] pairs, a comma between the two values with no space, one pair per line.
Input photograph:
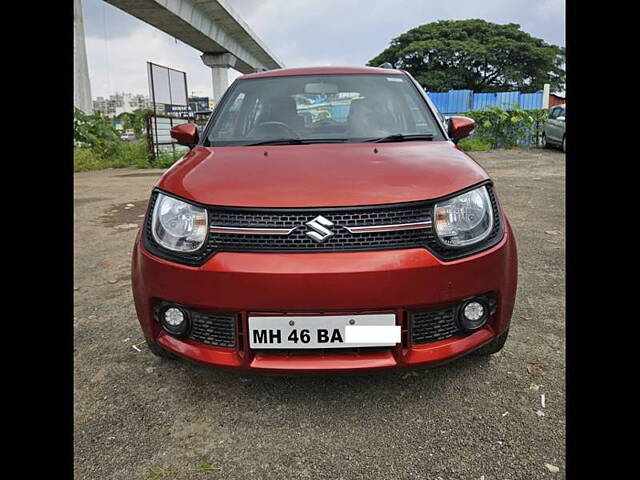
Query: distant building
[120,103]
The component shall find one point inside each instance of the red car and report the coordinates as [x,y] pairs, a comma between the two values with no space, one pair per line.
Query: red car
[324,221]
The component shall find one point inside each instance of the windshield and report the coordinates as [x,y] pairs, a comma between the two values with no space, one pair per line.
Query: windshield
[321,108]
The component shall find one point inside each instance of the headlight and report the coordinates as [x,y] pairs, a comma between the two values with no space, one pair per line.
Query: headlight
[465,219]
[178,225]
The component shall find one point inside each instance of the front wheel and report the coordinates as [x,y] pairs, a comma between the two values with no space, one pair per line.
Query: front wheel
[494,346]
[564,144]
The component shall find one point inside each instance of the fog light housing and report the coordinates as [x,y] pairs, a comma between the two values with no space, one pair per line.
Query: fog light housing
[174,320]
[473,314]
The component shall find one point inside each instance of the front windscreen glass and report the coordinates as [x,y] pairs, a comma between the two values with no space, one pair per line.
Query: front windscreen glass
[321,108]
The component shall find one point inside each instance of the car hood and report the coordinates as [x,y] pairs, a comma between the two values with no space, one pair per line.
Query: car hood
[321,175]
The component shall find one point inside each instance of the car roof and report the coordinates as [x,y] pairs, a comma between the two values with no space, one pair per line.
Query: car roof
[283,72]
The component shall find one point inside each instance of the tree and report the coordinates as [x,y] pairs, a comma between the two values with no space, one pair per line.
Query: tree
[93,129]
[136,121]
[475,55]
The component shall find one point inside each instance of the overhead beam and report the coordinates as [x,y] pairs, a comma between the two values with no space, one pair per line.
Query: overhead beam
[210,26]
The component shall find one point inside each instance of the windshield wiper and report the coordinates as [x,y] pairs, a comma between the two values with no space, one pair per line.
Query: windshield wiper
[277,141]
[399,137]
[296,141]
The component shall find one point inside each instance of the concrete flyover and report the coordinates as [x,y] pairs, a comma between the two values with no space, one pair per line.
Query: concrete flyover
[210,26]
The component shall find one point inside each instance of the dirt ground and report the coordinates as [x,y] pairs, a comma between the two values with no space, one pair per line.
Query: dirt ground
[140,417]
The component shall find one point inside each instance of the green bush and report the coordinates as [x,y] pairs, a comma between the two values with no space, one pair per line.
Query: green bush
[86,159]
[473,144]
[507,128]
[119,155]
[166,159]
[97,145]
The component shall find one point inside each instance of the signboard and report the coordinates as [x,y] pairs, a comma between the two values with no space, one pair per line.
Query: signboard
[177,109]
[167,85]
[168,93]
[198,104]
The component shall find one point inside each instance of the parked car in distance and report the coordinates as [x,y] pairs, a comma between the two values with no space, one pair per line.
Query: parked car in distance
[128,136]
[324,221]
[553,132]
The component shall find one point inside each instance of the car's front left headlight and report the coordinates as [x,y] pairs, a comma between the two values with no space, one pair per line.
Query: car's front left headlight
[177,225]
[465,219]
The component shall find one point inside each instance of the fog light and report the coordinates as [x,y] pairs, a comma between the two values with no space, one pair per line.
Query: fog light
[473,314]
[174,320]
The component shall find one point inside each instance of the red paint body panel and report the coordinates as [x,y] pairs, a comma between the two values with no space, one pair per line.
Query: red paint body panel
[185,134]
[461,127]
[321,175]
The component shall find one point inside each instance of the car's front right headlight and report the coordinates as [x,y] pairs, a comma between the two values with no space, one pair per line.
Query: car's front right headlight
[465,219]
[178,225]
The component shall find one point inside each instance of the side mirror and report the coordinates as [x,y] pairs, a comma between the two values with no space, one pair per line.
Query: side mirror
[460,127]
[560,119]
[185,134]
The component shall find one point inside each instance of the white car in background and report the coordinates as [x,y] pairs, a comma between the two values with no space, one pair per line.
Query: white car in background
[553,131]
[128,136]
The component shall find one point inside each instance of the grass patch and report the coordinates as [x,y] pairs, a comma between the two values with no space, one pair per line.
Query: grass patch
[120,155]
[474,144]
[166,159]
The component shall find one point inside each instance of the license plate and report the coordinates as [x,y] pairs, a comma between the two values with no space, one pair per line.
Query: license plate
[323,331]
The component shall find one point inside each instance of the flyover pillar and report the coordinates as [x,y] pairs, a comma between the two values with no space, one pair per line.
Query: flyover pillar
[81,82]
[220,63]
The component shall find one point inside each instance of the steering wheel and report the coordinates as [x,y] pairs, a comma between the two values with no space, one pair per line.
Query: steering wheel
[277,124]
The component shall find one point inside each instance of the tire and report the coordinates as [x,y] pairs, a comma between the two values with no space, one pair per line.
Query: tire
[158,351]
[564,144]
[494,346]
[543,141]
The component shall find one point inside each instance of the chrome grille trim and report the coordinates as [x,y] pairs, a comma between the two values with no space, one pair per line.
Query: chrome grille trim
[251,230]
[390,228]
[287,231]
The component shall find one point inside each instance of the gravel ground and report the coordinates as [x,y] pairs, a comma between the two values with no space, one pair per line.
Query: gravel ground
[140,417]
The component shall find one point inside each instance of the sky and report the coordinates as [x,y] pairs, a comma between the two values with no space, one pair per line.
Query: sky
[299,32]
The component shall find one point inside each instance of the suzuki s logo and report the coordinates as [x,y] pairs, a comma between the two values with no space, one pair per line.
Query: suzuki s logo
[318,231]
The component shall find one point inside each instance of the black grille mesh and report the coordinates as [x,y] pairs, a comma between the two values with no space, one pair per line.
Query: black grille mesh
[213,329]
[433,326]
[341,241]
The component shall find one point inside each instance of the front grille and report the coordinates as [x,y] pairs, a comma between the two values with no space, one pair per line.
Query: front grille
[213,329]
[433,326]
[341,241]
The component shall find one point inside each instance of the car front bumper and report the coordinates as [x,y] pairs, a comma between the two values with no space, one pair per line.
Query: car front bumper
[397,281]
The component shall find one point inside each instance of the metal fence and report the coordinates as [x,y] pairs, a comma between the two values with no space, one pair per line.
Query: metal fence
[460,101]
[160,141]
[456,102]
